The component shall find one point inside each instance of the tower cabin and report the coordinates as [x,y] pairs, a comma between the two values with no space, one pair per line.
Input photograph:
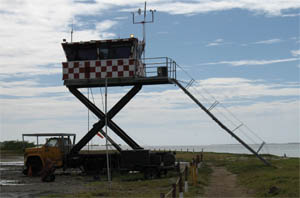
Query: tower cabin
[119,61]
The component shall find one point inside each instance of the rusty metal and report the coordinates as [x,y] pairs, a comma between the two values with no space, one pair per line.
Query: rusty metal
[47,174]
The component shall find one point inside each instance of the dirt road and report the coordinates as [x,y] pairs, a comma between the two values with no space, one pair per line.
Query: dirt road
[224,184]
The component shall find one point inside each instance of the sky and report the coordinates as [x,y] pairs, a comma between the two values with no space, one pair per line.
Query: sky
[244,54]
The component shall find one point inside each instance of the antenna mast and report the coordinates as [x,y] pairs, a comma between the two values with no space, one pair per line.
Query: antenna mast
[143,23]
[72,32]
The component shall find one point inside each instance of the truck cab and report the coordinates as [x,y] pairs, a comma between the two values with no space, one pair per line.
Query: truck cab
[55,149]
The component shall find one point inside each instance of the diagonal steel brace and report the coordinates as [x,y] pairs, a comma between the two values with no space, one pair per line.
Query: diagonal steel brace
[100,124]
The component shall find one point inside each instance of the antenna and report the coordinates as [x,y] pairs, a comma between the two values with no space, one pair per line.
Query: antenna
[72,32]
[143,23]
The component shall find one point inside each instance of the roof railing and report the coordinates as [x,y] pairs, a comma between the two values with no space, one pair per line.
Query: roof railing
[166,65]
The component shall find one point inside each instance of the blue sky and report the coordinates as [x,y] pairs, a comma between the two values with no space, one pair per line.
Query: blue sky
[244,53]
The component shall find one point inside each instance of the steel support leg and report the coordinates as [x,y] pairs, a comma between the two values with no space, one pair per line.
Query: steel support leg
[100,124]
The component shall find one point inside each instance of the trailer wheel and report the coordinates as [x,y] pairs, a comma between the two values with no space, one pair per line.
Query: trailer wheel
[165,172]
[35,164]
[151,173]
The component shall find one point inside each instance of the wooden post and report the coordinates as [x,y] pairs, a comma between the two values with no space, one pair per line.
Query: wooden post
[178,167]
[191,168]
[194,175]
[186,174]
[180,186]
[162,195]
[174,190]
[198,159]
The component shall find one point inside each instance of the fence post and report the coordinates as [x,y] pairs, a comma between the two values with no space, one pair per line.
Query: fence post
[178,167]
[174,190]
[162,195]
[180,186]
[186,173]
[194,174]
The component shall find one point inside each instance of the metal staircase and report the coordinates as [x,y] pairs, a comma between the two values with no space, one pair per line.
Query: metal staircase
[210,106]
[231,132]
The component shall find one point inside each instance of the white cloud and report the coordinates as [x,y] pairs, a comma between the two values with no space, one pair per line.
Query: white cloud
[33,30]
[105,25]
[270,41]
[295,52]
[121,18]
[216,43]
[291,15]
[268,7]
[159,113]
[252,62]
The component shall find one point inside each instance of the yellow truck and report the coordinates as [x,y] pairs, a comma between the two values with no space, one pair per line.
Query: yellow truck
[55,149]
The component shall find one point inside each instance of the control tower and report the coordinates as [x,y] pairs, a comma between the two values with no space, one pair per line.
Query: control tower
[116,62]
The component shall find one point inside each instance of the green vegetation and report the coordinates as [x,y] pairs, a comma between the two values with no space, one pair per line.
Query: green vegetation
[134,185]
[15,146]
[280,180]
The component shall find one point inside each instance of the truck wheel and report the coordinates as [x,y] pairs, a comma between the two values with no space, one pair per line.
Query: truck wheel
[36,166]
[25,171]
[150,173]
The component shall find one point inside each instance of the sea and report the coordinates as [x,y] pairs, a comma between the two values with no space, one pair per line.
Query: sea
[288,149]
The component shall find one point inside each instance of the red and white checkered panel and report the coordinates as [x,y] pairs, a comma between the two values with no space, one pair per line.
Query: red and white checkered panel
[114,68]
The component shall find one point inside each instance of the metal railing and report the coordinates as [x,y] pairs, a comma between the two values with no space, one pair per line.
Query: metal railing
[152,65]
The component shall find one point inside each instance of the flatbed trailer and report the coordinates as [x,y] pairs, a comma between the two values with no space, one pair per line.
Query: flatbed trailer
[58,148]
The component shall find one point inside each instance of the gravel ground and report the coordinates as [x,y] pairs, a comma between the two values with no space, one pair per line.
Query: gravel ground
[14,184]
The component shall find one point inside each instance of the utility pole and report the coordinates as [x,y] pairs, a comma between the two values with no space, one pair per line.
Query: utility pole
[106,144]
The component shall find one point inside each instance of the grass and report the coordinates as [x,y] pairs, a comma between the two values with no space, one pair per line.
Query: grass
[14,145]
[281,180]
[134,185]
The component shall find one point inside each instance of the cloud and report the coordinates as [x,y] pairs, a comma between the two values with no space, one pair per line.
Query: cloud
[295,52]
[216,43]
[162,113]
[121,18]
[270,41]
[252,62]
[291,15]
[105,25]
[34,29]
[268,7]
[33,32]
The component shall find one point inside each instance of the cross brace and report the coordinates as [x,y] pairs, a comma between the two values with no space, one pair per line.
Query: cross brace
[101,123]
